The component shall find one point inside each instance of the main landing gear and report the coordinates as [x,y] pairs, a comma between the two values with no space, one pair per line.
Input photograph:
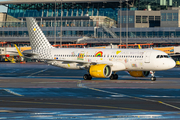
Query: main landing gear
[87,77]
[114,76]
[152,76]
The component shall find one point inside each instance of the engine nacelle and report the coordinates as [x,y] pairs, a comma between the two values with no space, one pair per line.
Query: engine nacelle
[100,71]
[139,73]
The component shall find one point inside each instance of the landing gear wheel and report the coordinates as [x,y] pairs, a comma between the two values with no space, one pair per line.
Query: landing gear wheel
[87,77]
[153,78]
[113,77]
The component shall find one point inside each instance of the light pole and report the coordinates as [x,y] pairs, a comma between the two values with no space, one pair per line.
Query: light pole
[55,25]
[61,25]
[120,20]
[127,21]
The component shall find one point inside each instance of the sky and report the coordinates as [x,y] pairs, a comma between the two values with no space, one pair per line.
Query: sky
[2,8]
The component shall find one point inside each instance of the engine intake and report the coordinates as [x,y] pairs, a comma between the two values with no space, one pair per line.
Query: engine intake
[139,73]
[100,71]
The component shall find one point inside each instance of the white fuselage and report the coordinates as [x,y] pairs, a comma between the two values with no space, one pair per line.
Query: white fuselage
[121,59]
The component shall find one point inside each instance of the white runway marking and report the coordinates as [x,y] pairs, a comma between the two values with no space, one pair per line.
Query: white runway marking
[14,93]
[79,84]
[37,72]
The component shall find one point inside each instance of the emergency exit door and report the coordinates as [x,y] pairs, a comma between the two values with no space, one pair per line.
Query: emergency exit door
[147,57]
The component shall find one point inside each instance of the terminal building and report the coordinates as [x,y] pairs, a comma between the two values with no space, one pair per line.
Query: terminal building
[93,21]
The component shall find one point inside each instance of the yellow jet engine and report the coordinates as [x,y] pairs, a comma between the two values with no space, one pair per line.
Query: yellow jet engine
[139,73]
[100,71]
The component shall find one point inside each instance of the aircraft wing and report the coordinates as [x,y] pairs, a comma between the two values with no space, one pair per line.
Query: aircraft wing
[78,61]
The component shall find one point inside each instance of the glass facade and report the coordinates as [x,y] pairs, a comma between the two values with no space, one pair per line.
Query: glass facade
[80,28]
[175,16]
[169,16]
[109,9]
[69,9]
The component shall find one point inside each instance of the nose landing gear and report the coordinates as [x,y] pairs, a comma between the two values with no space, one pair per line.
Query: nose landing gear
[152,76]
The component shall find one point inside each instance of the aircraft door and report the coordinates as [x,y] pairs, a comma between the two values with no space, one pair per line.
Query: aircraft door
[147,57]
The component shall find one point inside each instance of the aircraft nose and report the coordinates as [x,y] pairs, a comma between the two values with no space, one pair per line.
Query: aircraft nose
[172,64]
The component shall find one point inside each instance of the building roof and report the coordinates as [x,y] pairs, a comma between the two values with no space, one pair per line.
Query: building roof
[52,1]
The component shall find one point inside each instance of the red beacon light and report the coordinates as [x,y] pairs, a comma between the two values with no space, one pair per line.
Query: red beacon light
[7,55]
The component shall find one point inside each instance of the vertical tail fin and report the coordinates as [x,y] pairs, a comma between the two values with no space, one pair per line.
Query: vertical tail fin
[36,36]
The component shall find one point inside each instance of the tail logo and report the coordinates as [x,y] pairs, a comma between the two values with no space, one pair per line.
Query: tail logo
[34,29]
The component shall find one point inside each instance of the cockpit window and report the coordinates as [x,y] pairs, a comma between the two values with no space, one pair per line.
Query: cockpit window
[163,56]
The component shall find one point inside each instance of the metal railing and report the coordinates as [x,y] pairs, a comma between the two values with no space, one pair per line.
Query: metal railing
[105,27]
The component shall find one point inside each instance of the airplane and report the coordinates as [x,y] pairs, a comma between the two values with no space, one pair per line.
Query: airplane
[99,63]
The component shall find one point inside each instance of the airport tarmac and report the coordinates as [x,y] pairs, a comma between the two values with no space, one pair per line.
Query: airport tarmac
[40,91]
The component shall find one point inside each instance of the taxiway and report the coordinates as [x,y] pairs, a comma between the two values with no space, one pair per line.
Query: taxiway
[39,88]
